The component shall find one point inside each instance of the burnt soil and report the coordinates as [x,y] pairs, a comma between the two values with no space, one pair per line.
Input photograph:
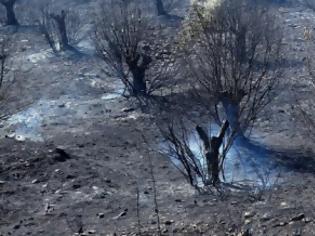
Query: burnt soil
[102,184]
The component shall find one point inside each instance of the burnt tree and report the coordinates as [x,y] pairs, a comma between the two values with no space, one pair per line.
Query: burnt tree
[60,20]
[9,6]
[125,43]
[233,57]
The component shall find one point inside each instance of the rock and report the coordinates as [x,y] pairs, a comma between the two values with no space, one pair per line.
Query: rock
[12,135]
[92,231]
[169,222]
[35,181]
[101,215]
[249,214]
[298,217]
[20,138]
[108,181]
[17,226]
[126,109]
[247,222]
[76,186]
[61,156]
[265,217]
[121,214]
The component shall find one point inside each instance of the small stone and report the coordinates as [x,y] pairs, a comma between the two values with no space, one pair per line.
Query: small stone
[247,222]
[265,217]
[35,181]
[20,138]
[76,186]
[169,222]
[248,214]
[17,226]
[62,155]
[121,214]
[101,215]
[92,231]
[12,135]
[126,109]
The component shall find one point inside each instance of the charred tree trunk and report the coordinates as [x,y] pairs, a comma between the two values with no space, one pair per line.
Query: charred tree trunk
[212,151]
[9,6]
[139,86]
[62,28]
[160,8]
[2,68]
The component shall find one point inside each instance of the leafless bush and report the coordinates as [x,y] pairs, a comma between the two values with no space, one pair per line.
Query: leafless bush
[233,52]
[197,153]
[125,43]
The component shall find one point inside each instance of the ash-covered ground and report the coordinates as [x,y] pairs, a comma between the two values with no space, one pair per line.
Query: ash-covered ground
[73,159]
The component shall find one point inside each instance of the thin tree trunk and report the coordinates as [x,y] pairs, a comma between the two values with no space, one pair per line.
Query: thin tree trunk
[212,151]
[139,86]
[2,62]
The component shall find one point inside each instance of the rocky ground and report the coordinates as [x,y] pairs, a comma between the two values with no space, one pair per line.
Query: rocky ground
[74,160]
